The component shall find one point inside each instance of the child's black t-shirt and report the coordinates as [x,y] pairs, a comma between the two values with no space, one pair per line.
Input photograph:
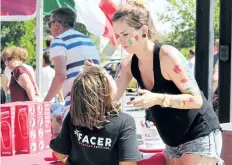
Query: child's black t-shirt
[116,142]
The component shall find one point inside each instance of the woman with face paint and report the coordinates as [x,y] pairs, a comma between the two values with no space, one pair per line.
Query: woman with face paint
[185,120]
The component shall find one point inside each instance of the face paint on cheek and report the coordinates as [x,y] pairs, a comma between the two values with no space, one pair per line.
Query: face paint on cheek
[116,36]
[117,39]
[130,42]
[136,37]
[133,40]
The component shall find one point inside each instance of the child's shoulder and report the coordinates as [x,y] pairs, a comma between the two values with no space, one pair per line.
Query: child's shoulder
[123,118]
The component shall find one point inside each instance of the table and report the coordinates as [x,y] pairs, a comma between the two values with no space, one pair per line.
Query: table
[27,159]
[157,149]
[39,158]
[149,152]
[155,159]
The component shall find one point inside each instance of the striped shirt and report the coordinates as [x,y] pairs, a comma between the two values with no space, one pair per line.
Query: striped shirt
[77,47]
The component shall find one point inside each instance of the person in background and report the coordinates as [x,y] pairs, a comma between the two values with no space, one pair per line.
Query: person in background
[191,57]
[47,76]
[216,55]
[95,131]
[215,67]
[7,76]
[3,94]
[5,79]
[34,68]
[48,42]
[3,66]
[29,67]
[22,85]
[216,76]
[68,51]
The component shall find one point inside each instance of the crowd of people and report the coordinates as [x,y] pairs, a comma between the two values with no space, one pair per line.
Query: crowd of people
[90,128]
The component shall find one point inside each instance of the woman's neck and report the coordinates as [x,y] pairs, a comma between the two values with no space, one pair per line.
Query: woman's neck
[146,54]
[16,64]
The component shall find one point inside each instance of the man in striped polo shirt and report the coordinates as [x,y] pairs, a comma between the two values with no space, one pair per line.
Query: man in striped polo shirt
[69,50]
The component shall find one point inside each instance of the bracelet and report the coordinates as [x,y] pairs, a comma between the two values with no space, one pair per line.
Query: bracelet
[162,99]
[166,102]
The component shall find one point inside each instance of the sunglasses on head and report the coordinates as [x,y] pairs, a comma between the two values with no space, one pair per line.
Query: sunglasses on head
[7,59]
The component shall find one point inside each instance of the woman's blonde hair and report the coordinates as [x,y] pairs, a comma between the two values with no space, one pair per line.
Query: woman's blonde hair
[136,14]
[14,52]
[92,104]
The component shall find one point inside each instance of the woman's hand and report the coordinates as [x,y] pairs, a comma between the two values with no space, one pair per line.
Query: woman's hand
[147,99]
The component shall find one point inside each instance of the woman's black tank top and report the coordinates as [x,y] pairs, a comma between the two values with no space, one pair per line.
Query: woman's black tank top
[176,126]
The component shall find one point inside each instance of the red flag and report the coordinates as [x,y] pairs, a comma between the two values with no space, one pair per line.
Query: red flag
[97,17]
[108,7]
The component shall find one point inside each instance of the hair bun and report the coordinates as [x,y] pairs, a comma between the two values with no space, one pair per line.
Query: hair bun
[139,3]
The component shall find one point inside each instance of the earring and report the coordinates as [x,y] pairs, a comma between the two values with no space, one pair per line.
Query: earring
[144,35]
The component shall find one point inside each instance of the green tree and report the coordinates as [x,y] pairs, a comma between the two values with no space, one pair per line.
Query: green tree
[23,34]
[19,34]
[182,17]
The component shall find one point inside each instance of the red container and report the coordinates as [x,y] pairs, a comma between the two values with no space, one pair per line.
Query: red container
[47,124]
[40,126]
[7,129]
[26,128]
